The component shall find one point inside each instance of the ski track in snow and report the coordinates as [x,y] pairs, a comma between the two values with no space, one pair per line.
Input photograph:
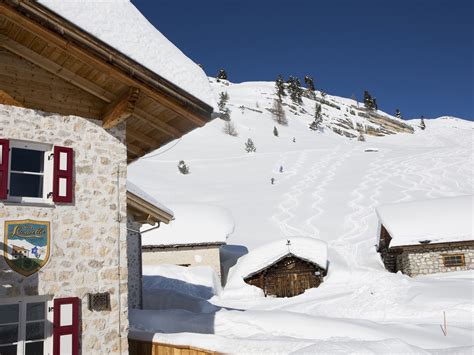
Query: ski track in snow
[284,218]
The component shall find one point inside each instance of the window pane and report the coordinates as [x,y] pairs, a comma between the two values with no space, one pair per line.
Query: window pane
[25,185]
[27,160]
[34,330]
[35,348]
[8,334]
[35,311]
[9,313]
[8,350]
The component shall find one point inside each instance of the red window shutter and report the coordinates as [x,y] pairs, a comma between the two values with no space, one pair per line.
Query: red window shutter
[4,157]
[66,326]
[63,174]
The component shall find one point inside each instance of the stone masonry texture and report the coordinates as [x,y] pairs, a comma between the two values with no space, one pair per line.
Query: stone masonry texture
[88,235]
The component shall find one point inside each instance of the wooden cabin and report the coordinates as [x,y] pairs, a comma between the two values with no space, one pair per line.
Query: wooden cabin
[425,237]
[287,277]
[284,268]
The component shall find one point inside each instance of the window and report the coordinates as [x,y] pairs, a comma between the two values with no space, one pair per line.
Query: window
[30,172]
[24,326]
[450,260]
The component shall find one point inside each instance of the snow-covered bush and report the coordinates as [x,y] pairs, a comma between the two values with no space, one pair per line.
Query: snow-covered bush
[250,146]
[183,168]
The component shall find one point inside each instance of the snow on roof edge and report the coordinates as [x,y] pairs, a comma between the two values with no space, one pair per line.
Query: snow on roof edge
[134,189]
[440,220]
[108,21]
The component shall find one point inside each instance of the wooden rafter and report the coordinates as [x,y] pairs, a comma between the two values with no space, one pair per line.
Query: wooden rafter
[82,83]
[121,109]
[56,69]
[157,124]
[141,137]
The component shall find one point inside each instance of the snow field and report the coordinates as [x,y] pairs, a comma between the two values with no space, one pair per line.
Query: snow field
[329,189]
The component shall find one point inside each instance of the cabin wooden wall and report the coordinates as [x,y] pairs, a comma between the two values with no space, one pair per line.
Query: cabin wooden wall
[288,277]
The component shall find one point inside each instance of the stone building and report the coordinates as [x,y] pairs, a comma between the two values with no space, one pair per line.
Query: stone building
[193,238]
[425,237]
[77,104]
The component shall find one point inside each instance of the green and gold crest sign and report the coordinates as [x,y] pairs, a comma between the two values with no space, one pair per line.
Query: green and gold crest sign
[27,245]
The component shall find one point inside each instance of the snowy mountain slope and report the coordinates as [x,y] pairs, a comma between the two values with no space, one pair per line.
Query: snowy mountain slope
[328,189]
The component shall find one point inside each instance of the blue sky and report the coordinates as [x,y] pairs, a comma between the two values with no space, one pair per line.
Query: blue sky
[416,55]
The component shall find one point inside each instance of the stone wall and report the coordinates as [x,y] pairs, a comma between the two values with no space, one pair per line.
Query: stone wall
[192,256]
[134,247]
[429,261]
[89,235]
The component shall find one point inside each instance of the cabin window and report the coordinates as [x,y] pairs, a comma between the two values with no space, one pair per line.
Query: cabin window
[450,260]
[24,326]
[30,172]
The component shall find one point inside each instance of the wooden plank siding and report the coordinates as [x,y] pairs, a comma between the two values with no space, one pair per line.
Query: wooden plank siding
[139,347]
[288,277]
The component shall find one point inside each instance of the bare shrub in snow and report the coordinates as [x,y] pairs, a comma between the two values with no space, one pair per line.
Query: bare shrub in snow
[230,129]
[250,146]
[279,113]
[183,168]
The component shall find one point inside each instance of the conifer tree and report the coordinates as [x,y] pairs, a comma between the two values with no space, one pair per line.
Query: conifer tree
[295,90]
[361,137]
[280,87]
[369,102]
[398,114]
[309,83]
[422,123]
[250,146]
[275,131]
[318,118]
[222,74]
[224,112]
[279,113]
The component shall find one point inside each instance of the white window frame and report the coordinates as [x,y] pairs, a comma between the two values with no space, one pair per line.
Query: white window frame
[48,327]
[47,172]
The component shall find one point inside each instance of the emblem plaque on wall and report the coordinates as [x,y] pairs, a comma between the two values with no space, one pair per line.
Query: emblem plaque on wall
[26,246]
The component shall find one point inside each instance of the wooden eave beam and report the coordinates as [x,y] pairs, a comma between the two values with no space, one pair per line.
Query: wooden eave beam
[121,109]
[110,62]
[82,83]
[6,99]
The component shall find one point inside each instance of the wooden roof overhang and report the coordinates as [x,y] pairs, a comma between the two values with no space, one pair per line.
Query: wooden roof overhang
[145,212]
[53,65]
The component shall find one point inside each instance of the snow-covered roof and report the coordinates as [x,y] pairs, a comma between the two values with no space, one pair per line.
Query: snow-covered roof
[441,220]
[119,24]
[310,249]
[134,189]
[192,224]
